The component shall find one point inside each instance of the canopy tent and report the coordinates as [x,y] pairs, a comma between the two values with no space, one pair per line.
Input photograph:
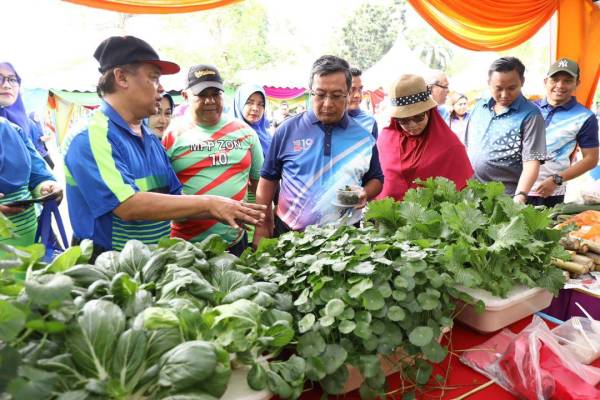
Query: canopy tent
[398,60]
[66,110]
[472,24]
[503,24]
[284,83]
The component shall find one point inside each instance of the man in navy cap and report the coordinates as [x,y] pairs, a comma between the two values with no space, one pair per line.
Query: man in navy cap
[120,184]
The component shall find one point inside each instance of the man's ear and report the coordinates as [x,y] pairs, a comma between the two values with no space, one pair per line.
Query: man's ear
[185,95]
[121,75]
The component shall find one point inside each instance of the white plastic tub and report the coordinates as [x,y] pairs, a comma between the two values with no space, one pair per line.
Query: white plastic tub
[238,388]
[499,313]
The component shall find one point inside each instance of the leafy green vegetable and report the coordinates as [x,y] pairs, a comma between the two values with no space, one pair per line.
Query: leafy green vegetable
[94,338]
[187,365]
[47,289]
[489,242]
[12,321]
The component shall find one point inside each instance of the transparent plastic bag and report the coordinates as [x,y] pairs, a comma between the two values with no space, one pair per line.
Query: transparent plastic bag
[591,196]
[535,366]
[574,341]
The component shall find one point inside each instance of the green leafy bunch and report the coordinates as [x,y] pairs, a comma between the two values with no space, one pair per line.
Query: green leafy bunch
[484,239]
[355,293]
[158,321]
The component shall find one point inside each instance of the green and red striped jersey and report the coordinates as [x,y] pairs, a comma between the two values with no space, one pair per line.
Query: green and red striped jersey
[217,160]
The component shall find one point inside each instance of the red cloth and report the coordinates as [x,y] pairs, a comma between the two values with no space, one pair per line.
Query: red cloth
[461,378]
[435,152]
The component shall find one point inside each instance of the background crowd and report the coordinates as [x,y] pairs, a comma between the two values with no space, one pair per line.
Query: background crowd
[144,168]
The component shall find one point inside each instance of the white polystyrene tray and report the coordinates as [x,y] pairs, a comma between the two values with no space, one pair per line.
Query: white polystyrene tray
[238,388]
[501,312]
[494,303]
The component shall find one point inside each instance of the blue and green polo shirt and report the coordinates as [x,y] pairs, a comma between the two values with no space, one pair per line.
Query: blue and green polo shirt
[106,164]
[22,170]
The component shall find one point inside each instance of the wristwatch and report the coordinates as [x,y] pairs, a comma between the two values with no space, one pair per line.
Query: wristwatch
[557,179]
[521,193]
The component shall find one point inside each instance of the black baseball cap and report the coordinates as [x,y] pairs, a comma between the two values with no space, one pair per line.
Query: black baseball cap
[203,76]
[122,50]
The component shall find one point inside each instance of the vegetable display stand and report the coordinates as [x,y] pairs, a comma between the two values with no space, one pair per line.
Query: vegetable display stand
[499,313]
[238,388]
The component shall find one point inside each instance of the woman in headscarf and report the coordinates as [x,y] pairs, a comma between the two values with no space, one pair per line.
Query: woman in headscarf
[458,116]
[249,105]
[23,172]
[417,144]
[159,121]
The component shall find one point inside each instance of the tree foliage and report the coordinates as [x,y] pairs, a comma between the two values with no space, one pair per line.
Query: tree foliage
[370,32]
[233,38]
[433,50]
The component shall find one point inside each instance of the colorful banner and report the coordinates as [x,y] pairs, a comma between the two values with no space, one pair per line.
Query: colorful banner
[63,116]
[499,25]
[283,93]
[155,6]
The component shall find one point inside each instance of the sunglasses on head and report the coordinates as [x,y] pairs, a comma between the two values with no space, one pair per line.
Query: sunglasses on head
[415,118]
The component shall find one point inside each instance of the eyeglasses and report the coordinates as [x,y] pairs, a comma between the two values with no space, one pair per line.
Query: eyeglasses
[415,118]
[440,86]
[320,97]
[12,80]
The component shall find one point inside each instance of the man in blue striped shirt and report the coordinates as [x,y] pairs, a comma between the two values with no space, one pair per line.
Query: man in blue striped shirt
[568,125]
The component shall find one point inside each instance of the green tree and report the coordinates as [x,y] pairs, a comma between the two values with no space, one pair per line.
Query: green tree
[370,32]
[231,38]
[432,49]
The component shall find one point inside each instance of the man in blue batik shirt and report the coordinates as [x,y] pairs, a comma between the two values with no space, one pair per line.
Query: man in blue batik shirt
[315,153]
[568,125]
[505,137]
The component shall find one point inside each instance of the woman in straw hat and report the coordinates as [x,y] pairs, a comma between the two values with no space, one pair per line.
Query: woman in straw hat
[418,144]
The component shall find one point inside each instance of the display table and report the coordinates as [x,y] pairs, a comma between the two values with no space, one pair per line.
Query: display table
[563,307]
[461,379]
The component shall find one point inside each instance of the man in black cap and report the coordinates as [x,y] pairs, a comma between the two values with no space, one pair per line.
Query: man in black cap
[120,184]
[568,125]
[212,153]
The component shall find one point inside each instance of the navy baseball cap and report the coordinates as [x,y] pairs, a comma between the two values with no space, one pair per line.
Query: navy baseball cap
[122,50]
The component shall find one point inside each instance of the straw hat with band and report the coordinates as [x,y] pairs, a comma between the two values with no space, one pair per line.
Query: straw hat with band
[410,95]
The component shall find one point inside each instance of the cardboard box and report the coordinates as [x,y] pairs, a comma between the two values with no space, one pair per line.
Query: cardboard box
[499,313]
